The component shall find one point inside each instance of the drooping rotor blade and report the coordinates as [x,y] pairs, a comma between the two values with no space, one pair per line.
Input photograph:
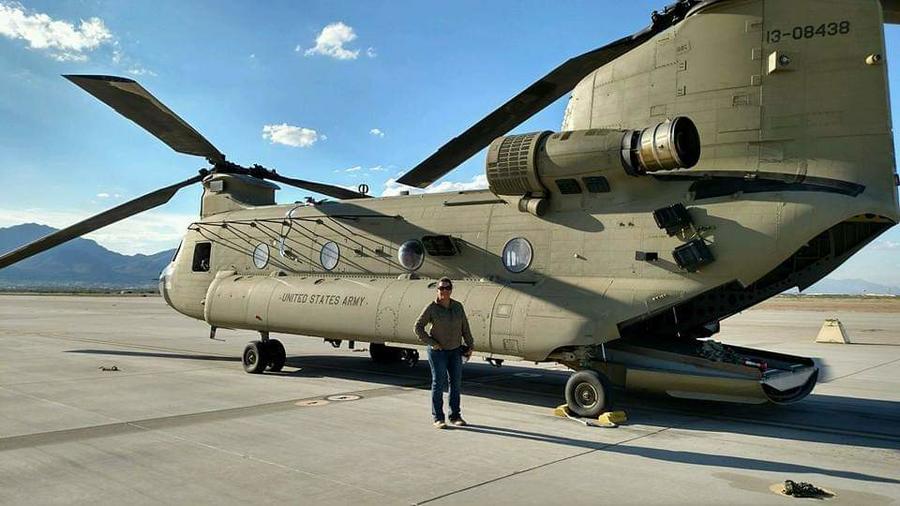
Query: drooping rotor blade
[323,188]
[131,100]
[130,208]
[534,99]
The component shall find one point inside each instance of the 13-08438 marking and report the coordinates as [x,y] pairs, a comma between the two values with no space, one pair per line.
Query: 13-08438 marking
[809,31]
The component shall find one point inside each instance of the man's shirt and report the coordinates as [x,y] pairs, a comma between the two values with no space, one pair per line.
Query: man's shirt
[449,326]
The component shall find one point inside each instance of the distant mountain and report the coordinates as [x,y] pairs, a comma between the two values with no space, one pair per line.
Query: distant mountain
[851,287]
[78,263]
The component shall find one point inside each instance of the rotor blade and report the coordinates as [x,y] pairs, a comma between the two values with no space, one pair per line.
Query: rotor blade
[131,100]
[130,208]
[533,99]
[323,188]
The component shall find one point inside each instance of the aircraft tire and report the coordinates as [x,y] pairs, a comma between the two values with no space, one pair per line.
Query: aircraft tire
[255,357]
[383,354]
[277,355]
[588,393]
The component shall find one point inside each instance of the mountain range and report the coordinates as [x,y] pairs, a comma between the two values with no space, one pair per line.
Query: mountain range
[79,263]
[82,263]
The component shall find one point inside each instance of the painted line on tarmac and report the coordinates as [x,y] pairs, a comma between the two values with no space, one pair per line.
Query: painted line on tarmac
[166,422]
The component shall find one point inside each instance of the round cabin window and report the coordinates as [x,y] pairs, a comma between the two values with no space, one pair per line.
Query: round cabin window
[261,256]
[411,254]
[330,255]
[517,254]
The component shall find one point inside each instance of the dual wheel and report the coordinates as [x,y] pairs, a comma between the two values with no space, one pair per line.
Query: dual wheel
[383,354]
[588,393]
[259,355]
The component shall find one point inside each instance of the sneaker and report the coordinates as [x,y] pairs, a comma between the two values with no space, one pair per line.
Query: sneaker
[439,424]
[458,422]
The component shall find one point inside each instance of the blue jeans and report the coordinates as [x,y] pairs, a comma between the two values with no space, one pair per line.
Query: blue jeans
[445,363]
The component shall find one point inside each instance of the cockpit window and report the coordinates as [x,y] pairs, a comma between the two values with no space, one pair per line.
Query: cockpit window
[202,252]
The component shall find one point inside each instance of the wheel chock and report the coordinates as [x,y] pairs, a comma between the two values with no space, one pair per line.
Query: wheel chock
[609,419]
[833,331]
[616,417]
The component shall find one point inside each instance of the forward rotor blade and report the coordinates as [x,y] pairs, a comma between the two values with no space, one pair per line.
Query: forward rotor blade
[130,208]
[131,100]
[533,99]
[323,188]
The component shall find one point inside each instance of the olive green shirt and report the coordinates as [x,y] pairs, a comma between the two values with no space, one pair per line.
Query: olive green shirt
[449,326]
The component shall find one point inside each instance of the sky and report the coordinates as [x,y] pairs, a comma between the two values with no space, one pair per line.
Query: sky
[335,91]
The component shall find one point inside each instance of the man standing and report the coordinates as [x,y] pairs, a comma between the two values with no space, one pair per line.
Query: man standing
[449,329]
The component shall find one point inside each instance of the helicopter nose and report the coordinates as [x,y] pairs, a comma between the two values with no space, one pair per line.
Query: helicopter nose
[165,282]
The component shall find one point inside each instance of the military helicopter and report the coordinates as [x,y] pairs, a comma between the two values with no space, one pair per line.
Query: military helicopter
[727,152]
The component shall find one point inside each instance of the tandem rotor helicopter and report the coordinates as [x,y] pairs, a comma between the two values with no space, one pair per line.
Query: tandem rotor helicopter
[731,150]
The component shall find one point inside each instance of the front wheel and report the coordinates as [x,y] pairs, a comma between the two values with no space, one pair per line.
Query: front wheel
[277,355]
[255,357]
[588,393]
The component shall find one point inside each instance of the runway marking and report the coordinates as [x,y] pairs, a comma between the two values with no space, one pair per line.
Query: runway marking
[152,424]
[862,370]
[600,447]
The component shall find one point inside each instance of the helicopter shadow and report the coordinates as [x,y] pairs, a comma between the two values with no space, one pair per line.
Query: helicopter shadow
[819,418]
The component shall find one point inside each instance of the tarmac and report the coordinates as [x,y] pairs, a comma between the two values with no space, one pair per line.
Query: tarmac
[179,422]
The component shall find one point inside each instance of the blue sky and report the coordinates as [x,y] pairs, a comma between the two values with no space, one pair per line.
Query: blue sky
[387,83]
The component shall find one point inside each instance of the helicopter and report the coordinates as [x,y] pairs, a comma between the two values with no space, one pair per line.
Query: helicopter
[729,151]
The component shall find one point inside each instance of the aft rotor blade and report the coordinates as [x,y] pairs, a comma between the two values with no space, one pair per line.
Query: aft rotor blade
[118,213]
[323,188]
[534,99]
[131,100]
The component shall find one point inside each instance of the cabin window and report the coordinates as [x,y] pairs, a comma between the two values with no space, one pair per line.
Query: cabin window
[517,254]
[330,255]
[439,245]
[202,252]
[596,184]
[568,186]
[411,254]
[261,256]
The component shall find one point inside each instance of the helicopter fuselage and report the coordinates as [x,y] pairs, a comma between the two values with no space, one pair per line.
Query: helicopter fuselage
[796,174]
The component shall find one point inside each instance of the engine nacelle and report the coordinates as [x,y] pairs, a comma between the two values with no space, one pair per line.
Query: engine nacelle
[536,164]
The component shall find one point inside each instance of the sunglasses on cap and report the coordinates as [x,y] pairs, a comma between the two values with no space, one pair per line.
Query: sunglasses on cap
[442,288]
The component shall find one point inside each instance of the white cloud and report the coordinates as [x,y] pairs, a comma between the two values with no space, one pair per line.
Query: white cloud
[289,135]
[355,168]
[376,132]
[478,182]
[149,232]
[103,195]
[61,40]
[884,244]
[331,40]
[371,53]
[377,168]
[138,71]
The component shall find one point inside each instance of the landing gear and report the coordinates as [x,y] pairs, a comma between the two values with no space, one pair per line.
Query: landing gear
[409,356]
[277,355]
[255,357]
[588,393]
[383,354]
[262,354]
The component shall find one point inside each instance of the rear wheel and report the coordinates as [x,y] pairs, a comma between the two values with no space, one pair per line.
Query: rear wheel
[588,393]
[255,357]
[277,355]
[383,354]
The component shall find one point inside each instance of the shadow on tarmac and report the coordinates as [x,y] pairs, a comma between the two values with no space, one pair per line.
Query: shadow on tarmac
[818,418]
[682,457]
